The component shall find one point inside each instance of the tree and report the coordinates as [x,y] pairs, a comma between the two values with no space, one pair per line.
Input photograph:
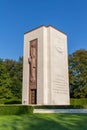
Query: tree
[78,74]
[5,82]
[15,70]
[11,79]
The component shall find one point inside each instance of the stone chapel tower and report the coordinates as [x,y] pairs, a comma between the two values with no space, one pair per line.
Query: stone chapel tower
[45,67]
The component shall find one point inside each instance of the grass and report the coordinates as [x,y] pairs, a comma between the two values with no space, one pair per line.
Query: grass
[44,122]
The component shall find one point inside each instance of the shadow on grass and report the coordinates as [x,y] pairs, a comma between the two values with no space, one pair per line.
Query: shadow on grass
[44,122]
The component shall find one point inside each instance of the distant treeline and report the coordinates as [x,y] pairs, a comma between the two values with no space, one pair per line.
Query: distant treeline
[11,77]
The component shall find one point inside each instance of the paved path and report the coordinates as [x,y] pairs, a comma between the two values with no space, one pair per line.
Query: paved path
[60,111]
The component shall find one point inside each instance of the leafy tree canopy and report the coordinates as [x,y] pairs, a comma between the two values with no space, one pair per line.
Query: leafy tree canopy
[10,79]
[78,73]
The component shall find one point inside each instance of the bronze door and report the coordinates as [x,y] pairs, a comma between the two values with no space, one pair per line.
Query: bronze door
[33,96]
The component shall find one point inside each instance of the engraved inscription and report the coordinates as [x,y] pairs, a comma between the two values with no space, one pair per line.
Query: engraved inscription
[60,85]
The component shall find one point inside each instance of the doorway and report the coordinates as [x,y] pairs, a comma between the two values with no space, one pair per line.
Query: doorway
[33,96]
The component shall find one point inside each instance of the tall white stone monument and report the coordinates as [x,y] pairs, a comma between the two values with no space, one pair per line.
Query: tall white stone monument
[45,67]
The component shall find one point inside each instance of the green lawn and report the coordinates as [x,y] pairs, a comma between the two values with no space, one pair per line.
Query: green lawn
[44,122]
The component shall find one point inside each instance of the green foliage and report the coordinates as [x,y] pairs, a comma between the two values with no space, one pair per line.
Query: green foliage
[79,102]
[15,110]
[13,101]
[10,80]
[78,74]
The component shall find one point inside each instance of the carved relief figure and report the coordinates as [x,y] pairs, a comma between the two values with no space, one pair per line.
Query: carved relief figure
[32,61]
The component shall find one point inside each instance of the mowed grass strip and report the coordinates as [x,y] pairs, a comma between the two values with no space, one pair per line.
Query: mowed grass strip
[44,122]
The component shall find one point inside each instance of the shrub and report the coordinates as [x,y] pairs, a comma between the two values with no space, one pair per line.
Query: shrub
[79,102]
[10,101]
[15,110]
[13,101]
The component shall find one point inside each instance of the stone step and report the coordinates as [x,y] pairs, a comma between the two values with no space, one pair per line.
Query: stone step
[60,111]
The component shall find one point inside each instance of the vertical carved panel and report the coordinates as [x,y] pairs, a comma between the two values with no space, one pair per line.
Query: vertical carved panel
[33,71]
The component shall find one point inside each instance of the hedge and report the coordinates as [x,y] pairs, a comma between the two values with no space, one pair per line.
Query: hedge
[58,107]
[10,101]
[80,102]
[24,109]
[15,109]
[28,109]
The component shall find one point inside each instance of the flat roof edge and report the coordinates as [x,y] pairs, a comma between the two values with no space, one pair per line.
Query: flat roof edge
[44,26]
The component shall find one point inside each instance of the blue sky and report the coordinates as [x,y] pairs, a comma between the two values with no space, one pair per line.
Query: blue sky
[19,16]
